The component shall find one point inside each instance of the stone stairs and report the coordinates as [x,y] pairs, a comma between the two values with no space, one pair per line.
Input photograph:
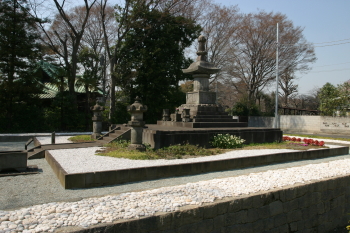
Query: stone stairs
[120,132]
[38,152]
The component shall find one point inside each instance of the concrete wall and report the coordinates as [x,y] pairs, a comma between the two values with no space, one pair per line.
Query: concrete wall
[307,124]
[314,207]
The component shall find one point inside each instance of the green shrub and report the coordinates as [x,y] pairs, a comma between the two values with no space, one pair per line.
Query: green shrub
[227,141]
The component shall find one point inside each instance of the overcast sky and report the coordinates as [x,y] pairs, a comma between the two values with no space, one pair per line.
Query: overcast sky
[323,21]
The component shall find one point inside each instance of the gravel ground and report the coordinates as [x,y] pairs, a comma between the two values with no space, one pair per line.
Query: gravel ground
[58,140]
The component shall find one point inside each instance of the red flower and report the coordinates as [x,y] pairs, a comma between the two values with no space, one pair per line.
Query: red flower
[321,143]
[294,139]
[299,139]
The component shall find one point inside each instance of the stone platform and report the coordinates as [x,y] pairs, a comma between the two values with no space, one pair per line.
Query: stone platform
[119,176]
[167,133]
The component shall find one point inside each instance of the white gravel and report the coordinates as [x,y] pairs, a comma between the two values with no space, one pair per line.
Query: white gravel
[58,140]
[92,211]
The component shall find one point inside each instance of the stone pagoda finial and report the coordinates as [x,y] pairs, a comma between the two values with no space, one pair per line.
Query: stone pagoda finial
[201,65]
[202,52]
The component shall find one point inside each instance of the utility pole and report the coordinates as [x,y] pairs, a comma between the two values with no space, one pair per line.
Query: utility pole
[276,125]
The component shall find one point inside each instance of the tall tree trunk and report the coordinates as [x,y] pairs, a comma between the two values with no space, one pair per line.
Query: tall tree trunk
[112,96]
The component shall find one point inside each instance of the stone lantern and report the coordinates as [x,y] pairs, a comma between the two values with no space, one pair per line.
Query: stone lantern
[97,121]
[137,109]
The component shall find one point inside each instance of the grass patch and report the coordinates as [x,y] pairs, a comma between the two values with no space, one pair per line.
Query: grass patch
[119,149]
[81,138]
[315,136]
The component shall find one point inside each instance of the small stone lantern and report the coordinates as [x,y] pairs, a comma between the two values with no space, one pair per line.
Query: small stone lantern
[137,109]
[97,121]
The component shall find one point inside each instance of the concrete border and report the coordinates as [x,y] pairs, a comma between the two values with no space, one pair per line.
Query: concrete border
[112,177]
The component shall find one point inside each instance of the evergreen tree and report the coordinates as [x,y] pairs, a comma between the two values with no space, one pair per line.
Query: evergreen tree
[153,58]
[19,50]
[334,98]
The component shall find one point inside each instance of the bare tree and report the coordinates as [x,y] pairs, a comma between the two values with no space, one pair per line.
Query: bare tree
[220,25]
[254,60]
[288,88]
[64,36]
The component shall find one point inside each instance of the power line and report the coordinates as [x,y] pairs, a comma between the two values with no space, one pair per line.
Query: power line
[306,45]
[334,64]
[332,44]
[318,45]
[332,41]
[327,71]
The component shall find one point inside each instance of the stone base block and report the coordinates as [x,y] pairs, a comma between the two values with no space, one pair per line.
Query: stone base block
[139,147]
[96,135]
[201,97]
[13,160]
[203,109]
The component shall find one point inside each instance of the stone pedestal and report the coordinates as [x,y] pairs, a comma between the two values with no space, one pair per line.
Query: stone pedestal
[137,109]
[201,97]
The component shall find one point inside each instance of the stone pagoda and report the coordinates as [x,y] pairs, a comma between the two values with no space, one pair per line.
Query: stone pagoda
[201,109]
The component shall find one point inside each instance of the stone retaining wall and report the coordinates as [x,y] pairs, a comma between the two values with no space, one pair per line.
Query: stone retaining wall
[307,124]
[320,206]
[202,137]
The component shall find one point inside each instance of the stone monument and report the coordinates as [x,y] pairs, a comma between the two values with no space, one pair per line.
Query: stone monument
[137,109]
[201,101]
[201,109]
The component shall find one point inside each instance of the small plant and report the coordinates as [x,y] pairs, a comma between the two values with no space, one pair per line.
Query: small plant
[227,141]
